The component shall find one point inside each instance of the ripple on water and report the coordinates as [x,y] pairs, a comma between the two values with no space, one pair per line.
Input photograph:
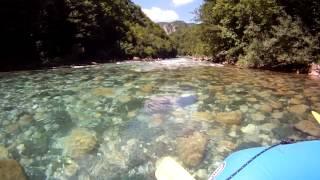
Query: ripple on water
[115,121]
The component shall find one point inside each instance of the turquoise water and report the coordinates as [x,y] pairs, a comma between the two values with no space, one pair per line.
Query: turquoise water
[115,121]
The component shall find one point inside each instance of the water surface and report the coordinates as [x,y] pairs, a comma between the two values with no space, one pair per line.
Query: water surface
[115,121]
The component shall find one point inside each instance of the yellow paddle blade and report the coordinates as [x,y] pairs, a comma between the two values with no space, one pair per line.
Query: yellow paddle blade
[316,115]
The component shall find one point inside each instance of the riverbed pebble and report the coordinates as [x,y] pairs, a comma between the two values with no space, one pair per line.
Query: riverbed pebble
[11,170]
[308,127]
[4,153]
[258,117]
[250,129]
[191,149]
[230,118]
[298,109]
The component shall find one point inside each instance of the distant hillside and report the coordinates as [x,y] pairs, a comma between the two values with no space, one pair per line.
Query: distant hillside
[55,32]
[171,27]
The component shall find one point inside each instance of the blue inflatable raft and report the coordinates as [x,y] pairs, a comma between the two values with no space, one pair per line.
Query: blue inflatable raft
[297,161]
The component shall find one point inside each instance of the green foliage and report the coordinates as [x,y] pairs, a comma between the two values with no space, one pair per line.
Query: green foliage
[286,44]
[262,33]
[307,10]
[64,31]
[188,41]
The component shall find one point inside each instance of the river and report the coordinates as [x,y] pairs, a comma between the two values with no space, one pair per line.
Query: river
[115,121]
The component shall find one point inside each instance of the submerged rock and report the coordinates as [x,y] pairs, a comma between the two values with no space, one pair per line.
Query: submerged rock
[4,153]
[148,88]
[201,174]
[231,118]
[103,92]
[283,132]
[250,129]
[298,109]
[202,116]
[163,104]
[186,100]
[191,149]
[226,146]
[244,108]
[266,108]
[275,105]
[159,104]
[247,145]
[25,120]
[277,115]
[124,98]
[156,120]
[295,101]
[308,127]
[11,170]
[79,143]
[258,117]
[71,169]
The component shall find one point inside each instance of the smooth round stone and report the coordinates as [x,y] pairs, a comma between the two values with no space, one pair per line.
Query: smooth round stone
[11,170]
[252,138]
[202,174]
[28,133]
[20,148]
[295,101]
[250,129]
[4,153]
[308,127]
[277,115]
[268,126]
[71,169]
[256,106]
[258,117]
[232,134]
[252,99]
[47,127]
[298,109]
[244,108]
[265,137]
[266,108]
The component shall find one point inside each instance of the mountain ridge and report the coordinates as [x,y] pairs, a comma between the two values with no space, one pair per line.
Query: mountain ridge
[171,27]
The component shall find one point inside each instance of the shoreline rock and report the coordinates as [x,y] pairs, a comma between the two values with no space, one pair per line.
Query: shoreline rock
[314,70]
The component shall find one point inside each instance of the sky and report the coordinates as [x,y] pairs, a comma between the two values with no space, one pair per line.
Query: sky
[169,10]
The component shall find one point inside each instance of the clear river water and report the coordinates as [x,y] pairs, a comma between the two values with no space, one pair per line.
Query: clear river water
[115,121]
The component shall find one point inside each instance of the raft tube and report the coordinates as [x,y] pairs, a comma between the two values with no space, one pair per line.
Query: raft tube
[296,161]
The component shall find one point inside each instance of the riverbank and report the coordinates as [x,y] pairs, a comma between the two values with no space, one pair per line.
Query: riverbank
[70,64]
[313,70]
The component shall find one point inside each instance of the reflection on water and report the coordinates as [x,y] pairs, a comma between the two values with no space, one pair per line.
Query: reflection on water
[115,121]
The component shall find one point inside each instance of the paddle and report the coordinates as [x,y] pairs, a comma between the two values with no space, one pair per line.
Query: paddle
[316,116]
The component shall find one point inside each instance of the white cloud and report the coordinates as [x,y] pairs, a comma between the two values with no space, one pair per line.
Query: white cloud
[161,15]
[181,2]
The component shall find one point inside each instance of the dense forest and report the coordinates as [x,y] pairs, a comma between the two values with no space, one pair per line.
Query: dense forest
[270,34]
[39,33]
